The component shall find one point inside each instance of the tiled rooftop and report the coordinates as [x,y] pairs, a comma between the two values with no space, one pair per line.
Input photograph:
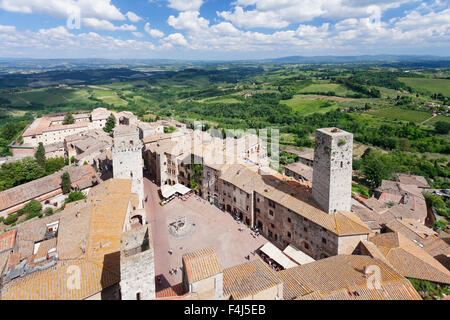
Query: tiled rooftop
[245,280]
[409,259]
[342,278]
[42,186]
[7,240]
[201,264]
[89,238]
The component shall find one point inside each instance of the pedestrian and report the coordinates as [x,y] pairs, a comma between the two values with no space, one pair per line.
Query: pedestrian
[170,251]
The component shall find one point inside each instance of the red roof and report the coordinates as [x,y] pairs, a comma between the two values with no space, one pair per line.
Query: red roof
[7,240]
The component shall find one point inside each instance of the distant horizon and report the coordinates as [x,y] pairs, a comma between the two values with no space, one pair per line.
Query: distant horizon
[225,30]
[387,55]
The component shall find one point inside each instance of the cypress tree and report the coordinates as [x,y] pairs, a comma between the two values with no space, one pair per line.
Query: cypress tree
[40,155]
[66,183]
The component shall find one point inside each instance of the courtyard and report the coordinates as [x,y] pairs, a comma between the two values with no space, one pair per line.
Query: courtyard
[200,225]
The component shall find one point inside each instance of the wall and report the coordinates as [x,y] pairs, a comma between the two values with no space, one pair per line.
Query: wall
[306,235]
[332,175]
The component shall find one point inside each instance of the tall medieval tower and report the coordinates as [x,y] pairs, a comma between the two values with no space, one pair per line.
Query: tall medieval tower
[332,175]
[127,159]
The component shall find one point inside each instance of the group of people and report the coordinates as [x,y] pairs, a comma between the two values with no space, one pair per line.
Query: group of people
[270,262]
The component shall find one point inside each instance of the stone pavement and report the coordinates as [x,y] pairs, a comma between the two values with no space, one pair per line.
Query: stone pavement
[212,228]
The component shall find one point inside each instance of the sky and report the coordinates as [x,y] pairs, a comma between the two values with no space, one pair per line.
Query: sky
[222,29]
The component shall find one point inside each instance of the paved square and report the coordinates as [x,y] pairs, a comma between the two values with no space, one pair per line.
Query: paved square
[213,228]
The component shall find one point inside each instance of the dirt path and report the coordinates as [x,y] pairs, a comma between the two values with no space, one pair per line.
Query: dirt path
[434,116]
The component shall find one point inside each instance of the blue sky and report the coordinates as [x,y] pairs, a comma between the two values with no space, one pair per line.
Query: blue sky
[221,29]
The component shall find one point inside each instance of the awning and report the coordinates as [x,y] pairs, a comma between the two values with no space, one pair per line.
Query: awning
[278,256]
[168,191]
[297,255]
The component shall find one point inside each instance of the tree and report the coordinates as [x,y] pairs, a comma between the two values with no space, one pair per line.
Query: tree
[66,183]
[442,127]
[68,119]
[110,124]
[32,209]
[75,196]
[40,155]
[374,169]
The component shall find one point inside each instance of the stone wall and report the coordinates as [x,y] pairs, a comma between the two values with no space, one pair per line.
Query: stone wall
[137,265]
[332,175]
[283,226]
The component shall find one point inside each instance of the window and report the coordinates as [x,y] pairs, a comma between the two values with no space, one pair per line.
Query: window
[271,204]
[324,240]
[289,235]
[272,225]
[289,220]
[138,296]
[271,213]
[305,229]
[234,199]
[306,245]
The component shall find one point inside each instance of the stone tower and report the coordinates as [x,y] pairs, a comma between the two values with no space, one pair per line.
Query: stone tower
[137,265]
[332,175]
[127,159]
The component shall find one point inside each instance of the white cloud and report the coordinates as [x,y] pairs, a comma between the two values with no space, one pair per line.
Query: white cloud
[7,28]
[133,17]
[175,39]
[61,40]
[185,5]
[138,34]
[278,14]
[98,24]
[100,9]
[189,21]
[155,33]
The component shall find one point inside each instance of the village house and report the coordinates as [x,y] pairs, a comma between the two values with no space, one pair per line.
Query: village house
[299,171]
[82,242]
[46,190]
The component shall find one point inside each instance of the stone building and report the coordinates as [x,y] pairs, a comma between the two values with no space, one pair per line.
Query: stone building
[332,174]
[299,171]
[203,275]
[137,265]
[286,213]
[127,159]
[236,186]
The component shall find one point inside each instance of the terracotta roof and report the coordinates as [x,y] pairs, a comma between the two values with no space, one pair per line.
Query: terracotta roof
[7,240]
[342,278]
[242,177]
[4,257]
[201,264]
[419,181]
[97,222]
[34,189]
[301,169]
[175,291]
[44,247]
[55,282]
[409,259]
[249,279]
[298,198]
[434,244]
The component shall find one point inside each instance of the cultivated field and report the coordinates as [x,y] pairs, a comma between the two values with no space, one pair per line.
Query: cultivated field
[430,85]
